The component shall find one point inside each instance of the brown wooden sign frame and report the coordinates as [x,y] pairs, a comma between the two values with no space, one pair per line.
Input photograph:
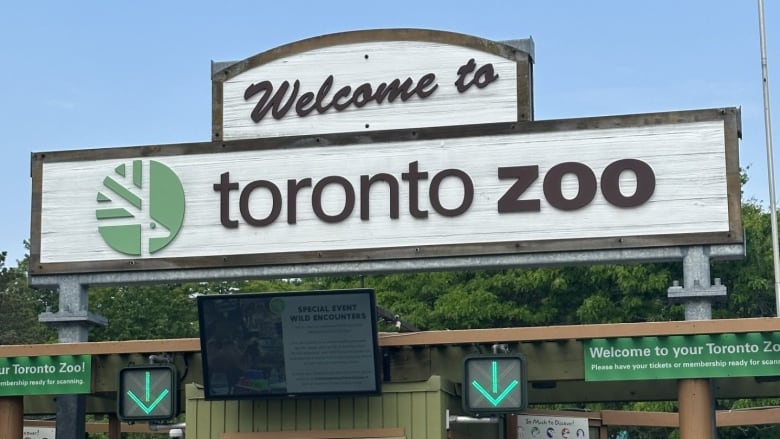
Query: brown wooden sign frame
[730,117]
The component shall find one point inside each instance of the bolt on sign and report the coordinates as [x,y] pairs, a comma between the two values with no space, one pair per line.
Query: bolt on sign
[682,356]
[535,427]
[148,392]
[494,384]
[45,375]
[621,182]
[372,80]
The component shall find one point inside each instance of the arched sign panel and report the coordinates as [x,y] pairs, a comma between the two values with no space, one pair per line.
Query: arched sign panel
[371,81]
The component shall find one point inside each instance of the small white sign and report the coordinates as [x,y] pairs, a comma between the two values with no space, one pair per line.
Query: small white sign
[360,82]
[551,427]
[38,433]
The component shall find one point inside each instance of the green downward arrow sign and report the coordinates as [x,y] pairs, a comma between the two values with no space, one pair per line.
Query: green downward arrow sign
[495,397]
[147,406]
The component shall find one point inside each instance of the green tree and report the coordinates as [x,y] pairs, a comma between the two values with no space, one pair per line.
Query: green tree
[525,296]
[20,306]
[144,312]
[750,281]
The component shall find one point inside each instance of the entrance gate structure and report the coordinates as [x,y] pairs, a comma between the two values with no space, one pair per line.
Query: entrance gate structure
[403,150]
[420,364]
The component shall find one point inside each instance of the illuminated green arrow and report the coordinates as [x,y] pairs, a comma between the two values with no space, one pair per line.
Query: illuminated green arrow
[148,390]
[495,400]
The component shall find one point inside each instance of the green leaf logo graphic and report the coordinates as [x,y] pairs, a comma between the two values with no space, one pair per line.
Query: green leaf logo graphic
[128,202]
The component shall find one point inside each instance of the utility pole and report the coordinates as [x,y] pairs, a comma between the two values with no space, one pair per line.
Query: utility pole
[769,155]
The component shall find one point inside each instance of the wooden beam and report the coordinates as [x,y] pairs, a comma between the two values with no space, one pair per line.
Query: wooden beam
[114,427]
[724,418]
[694,398]
[581,332]
[644,419]
[11,416]
[756,416]
[102,347]
[463,336]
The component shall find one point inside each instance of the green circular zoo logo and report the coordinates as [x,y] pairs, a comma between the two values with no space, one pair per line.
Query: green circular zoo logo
[131,207]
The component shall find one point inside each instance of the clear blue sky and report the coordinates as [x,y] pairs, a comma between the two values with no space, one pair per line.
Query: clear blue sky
[88,74]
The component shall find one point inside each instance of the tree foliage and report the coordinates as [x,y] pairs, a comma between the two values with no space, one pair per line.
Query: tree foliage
[20,306]
[526,297]
[145,312]
[750,281]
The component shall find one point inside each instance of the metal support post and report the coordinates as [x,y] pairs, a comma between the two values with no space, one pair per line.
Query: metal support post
[72,322]
[695,397]
[459,419]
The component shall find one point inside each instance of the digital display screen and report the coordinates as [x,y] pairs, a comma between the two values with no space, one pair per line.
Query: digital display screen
[289,344]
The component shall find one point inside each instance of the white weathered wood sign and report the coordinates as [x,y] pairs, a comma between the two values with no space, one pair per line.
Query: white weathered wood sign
[615,182]
[372,80]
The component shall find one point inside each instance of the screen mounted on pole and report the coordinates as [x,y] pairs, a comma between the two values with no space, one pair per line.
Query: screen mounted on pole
[289,344]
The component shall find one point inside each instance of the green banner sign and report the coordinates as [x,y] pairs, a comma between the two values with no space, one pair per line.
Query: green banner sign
[683,356]
[45,375]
